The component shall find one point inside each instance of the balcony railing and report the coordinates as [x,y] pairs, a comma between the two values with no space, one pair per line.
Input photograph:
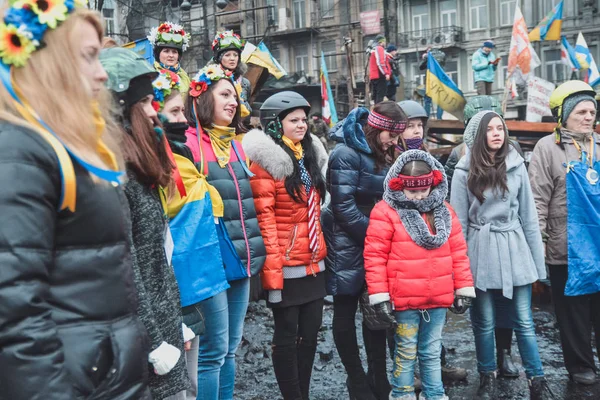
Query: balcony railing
[442,37]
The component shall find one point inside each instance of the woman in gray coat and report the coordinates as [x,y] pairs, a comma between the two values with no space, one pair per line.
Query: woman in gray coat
[493,200]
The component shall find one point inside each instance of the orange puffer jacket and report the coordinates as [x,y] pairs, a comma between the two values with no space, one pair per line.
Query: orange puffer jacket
[412,276]
[283,222]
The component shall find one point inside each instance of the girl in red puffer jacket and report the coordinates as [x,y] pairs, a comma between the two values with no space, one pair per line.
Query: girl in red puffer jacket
[416,264]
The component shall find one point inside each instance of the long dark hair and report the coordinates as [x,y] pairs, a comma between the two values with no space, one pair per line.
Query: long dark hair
[205,109]
[383,158]
[293,183]
[487,170]
[418,168]
[144,152]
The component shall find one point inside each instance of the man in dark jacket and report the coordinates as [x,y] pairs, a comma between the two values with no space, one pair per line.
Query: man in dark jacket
[394,61]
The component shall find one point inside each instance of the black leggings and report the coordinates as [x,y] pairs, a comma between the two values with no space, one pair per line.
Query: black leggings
[344,334]
[294,347]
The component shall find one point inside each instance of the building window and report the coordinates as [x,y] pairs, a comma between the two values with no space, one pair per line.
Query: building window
[507,12]
[502,71]
[420,19]
[418,75]
[556,71]
[478,14]
[273,12]
[302,60]
[448,13]
[451,69]
[327,7]
[299,14]
[108,12]
[197,19]
[368,5]
[330,49]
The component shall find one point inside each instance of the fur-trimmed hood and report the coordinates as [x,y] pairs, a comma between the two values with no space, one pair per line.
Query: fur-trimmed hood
[397,199]
[261,149]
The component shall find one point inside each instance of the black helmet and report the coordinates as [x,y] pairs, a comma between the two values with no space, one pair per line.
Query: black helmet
[280,102]
[412,109]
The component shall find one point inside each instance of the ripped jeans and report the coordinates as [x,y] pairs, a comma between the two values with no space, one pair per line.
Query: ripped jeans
[418,334]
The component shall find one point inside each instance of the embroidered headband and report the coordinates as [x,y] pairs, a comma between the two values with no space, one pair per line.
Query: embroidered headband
[206,77]
[169,34]
[421,182]
[166,82]
[26,22]
[384,123]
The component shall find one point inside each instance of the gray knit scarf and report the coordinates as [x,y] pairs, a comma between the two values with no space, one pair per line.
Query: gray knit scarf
[410,210]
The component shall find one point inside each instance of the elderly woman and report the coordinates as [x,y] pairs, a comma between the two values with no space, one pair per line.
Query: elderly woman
[564,177]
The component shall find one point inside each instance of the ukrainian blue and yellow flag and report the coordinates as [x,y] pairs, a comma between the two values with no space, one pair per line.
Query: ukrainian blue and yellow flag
[549,27]
[442,90]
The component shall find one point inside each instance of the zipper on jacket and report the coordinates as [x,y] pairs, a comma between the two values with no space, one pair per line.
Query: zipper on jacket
[237,189]
[293,241]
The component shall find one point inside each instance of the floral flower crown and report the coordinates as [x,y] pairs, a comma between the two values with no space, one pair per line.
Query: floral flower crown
[207,76]
[228,39]
[169,33]
[422,182]
[26,22]
[163,85]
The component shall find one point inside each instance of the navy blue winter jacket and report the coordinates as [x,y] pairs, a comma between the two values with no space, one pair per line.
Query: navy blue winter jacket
[355,186]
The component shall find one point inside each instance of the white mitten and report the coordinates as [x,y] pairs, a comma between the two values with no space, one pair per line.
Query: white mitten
[164,358]
[188,334]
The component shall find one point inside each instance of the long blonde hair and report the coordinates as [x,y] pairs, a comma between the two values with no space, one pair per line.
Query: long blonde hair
[53,84]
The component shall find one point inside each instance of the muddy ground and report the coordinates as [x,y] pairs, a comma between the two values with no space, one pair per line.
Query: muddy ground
[256,381]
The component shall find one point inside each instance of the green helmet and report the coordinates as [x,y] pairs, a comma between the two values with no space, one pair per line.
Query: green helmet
[122,66]
[480,103]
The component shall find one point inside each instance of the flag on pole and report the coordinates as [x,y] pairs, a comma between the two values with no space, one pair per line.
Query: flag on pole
[549,27]
[567,54]
[522,58]
[513,88]
[327,104]
[586,61]
[442,90]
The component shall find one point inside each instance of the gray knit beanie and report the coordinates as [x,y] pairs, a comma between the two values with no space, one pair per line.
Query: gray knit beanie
[473,127]
[571,102]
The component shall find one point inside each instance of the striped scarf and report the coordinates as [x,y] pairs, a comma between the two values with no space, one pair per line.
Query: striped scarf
[313,203]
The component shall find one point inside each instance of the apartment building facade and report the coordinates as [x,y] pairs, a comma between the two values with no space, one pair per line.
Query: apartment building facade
[459,27]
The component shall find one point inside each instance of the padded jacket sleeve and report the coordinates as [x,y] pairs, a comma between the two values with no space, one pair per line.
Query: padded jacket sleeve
[378,245]
[459,199]
[479,62]
[344,173]
[31,356]
[263,187]
[461,268]
[542,184]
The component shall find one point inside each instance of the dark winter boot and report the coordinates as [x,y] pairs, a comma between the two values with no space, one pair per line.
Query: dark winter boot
[487,386]
[539,389]
[285,364]
[506,365]
[376,349]
[306,359]
[347,347]
[451,373]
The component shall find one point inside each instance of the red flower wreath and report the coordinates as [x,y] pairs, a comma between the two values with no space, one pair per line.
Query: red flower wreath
[197,88]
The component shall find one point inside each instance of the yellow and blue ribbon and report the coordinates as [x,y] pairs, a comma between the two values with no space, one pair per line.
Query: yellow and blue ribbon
[63,153]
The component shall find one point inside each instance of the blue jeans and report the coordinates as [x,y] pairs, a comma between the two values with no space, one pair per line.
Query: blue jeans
[224,316]
[483,319]
[419,334]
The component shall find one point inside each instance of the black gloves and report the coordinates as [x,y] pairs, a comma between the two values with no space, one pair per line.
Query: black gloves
[461,304]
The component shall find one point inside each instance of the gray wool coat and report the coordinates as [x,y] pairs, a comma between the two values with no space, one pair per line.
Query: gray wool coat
[503,235]
[159,306]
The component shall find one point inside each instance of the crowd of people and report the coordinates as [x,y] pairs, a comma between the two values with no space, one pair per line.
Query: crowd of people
[137,210]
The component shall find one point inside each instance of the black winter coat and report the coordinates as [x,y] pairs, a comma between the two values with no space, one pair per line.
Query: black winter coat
[159,302]
[355,187]
[68,328]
